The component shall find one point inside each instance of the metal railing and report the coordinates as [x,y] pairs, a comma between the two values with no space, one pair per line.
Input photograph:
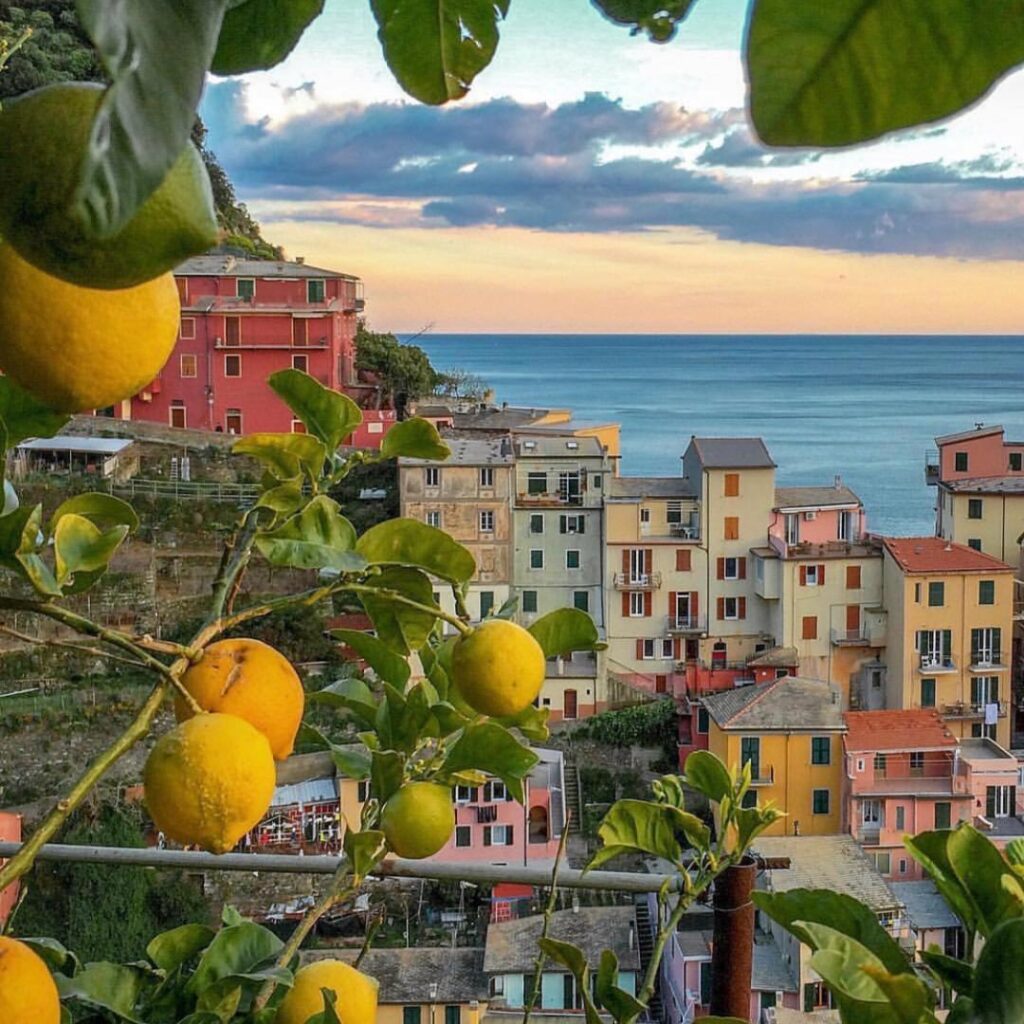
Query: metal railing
[190,490]
[687,623]
[961,709]
[685,531]
[637,581]
[937,663]
[850,636]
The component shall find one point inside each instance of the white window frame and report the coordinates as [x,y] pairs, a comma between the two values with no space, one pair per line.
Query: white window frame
[178,407]
[487,476]
[238,293]
[181,328]
[792,527]
[843,523]
[233,355]
[811,575]
[1004,801]
[464,794]
[432,476]
[871,812]
[505,839]
[233,413]
[536,518]
[322,281]
[735,609]
[636,604]
[648,649]
[496,791]
[303,358]
[433,518]
[181,366]
[487,520]
[579,559]
[645,515]
[735,574]
[667,648]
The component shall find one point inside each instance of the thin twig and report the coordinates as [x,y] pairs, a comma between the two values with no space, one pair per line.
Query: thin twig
[70,645]
[398,598]
[371,933]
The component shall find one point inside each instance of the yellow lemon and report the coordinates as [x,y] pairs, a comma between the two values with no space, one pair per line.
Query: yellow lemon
[498,668]
[27,992]
[44,137]
[419,819]
[251,680]
[355,992]
[209,780]
[78,349]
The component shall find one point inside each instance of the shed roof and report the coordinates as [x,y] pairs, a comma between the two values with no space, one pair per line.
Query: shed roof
[935,555]
[968,435]
[919,729]
[83,445]
[815,497]
[562,446]
[732,452]
[925,906]
[786,703]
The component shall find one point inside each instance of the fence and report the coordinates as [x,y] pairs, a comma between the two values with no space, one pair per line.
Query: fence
[242,495]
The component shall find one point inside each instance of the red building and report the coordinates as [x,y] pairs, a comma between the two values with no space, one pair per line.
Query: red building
[242,320]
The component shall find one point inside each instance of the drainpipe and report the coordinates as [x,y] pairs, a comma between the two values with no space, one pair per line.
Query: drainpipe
[732,950]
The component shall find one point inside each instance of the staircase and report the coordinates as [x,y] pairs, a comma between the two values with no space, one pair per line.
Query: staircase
[573,807]
[645,945]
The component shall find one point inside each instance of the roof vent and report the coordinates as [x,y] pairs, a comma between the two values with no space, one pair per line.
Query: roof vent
[572,444]
[948,547]
[300,260]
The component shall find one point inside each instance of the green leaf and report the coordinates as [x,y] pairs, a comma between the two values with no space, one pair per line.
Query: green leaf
[402,628]
[236,949]
[415,439]
[108,986]
[308,737]
[102,510]
[1014,851]
[387,773]
[910,999]
[221,999]
[838,73]
[980,867]
[962,1012]
[82,547]
[283,499]
[259,34]
[955,974]
[353,695]
[571,957]
[52,952]
[316,537]
[23,416]
[490,748]
[352,762]
[377,655]
[999,979]
[705,773]
[365,850]
[617,1001]
[146,115]
[658,18]
[410,542]
[841,960]
[646,827]
[287,456]
[8,496]
[930,850]
[532,722]
[172,948]
[435,48]
[327,414]
[564,631]
[21,538]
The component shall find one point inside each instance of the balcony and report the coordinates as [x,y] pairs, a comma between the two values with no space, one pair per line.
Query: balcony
[633,581]
[960,710]
[763,776]
[851,637]
[687,624]
[549,499]
[932,470]
[685,531]
[936,664]
[986,661]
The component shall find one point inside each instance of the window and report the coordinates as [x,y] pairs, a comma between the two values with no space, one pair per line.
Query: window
[935,647]
[411,1014]
[245,288]
[572,524]
[732,485]
[916,762]
[703,721]
[363,791]
[636,605]
[1015,461]
[943,813]
[569,487]
[810,627]
[178,416]
[901,818]
[233,421]
[1000,801]
[750,753]
[647,650]
[300,363]
[498,835]
[936,594]
[880,763]
[821,750]
[732,527]
[572,558]
[188,366]
[465,794]
[732,569]
[529,601]
[463,836]
[749,798]
[486,603]
[984,690]
[487,521]
[731,608]
[432,476]
[811,575]
[536,483]
[871,812]
[986,646]
[298,427]
[705,982]
[853,577]
[792,528]
[843,525]
[486,476]
[300,332]
[883,862]
[536,558]
[974,542]
[960,462]
[927,693]
[667,648]
[453,1015]
[232,331]
[974,508]
[645,517]
[187,330]
[232,366]
[316,291]
[433,518]
[673,512]
[495,791]
[536,523]
[820,801]
[683,557]
[986,590]
[581,600]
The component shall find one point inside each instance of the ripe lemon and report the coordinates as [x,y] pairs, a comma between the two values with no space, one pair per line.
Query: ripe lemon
[356,994]
[419,819]
[44,137]
[498,668]
[27,992]
[209,780]
[78,349]
[251,680]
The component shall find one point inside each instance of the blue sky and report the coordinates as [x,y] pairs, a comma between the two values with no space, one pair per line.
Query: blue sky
[607,149]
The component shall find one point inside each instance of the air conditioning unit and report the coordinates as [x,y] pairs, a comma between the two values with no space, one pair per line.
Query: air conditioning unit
[810,516]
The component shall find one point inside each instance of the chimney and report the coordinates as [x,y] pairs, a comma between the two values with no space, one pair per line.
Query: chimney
[300,260]
[838,482]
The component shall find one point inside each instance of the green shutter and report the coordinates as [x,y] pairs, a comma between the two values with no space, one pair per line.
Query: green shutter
[990,802]
[809,992]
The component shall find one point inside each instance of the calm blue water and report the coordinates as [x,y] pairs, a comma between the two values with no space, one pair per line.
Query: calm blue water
[864,407]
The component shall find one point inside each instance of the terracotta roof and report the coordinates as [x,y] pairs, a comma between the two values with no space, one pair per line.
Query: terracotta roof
[732,452]
[776,657]
[787,703]
[815,497]
[897,730]
[935,555]
[968,435]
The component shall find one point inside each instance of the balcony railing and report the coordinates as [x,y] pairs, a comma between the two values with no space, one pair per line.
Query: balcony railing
[637,581]
[963,710]
[931,468]
[936,663]
[765,776]
[986,661]
[850,637]
[544,499]
[687,624]
[685,531]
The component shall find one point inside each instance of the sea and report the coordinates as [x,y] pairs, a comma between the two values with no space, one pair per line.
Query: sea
[866,408]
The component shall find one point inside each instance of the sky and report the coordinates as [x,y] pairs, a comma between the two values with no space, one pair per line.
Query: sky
[598,182]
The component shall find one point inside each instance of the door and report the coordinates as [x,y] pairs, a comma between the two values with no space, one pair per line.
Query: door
[233,421]
[178,416]
[852,621]
[300,333]
[637,564]
[570,704]
[232,331]
[683,609]
[660,684]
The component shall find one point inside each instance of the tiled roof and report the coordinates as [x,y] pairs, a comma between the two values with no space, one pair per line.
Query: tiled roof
[789,702]
[814,497]
[512,945]
[226,265]
[770,972]
[732,452]
[776,657]
[935,555]
[495,451]
[897,730]
[825,862]
[558,446]
[925,906]
[968,435]
[650,487]
[987,485]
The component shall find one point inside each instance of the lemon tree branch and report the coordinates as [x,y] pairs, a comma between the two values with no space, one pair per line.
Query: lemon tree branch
[394,595]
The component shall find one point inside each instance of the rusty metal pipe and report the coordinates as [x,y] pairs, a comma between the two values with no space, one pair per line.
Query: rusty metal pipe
[732,951]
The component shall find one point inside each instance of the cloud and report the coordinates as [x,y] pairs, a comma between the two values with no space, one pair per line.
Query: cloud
[595,165]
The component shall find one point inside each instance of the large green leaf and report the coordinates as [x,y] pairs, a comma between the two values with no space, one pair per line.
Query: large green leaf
[387,773]
[108,986]
[82,547]
[841,960]
[490,748]
[532,722]
[353,762]
[102,510]
[410,542]
[617,1001]
[572,958]
[910,999]
[640,826]
[841,72]
[287,456]
[8,497]
[376,654]
[237,949]
[365,850]
[21,538]
[23,416]
[328,415]
[402,628]
[157,54]
[565,630]
[435,48]
[929,849]
[999,977]
[705,773]
[353,695]
[316,537]
[171,949]
[957,975]
[414,439]
[658,18]
[981,869]
[259,34]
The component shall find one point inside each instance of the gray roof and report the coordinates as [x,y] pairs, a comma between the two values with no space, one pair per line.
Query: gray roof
[226,265]
[650,487]
[826,862]
[497,418]
[405,975]
[512,945]
[987,485]
[776,657]
[770,972]
[790,702]
[814,497]
[564,446]
[86,445]
[732,452]
[925,906]
[496,451]
[967,435]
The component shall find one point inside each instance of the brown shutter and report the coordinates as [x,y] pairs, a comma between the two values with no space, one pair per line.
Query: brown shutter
[625,559]
[810,627]
[677,649]
[682,559]
[671,604]
[721,568]
[694,604]
[639,649]
[721,607]
[852,618]
[648,560]
[743,568]
[625,604]
[742,608]
[821,575]
[648,604]
[803,575]
[853,577]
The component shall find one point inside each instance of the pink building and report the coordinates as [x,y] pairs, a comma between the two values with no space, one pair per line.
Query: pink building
[982,453]
[992,775]
[806,517]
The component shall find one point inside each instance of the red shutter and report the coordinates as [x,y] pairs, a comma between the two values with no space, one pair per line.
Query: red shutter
[639,649]
[677,649]
[821,575]
[648,604]
[721,568]
[671,604]
[625,605]
[625,559]
[742,610]
[694,604]
[721,607]
[682,559]
[743,568]
[648,560]
[803,575]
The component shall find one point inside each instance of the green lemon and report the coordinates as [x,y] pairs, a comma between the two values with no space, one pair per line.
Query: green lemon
[44,137]
[419,819]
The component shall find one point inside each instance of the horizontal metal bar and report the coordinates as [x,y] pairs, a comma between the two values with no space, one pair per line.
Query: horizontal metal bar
[190,860]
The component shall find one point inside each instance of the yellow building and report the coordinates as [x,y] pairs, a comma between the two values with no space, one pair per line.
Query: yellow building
[950,629]
[790,732]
